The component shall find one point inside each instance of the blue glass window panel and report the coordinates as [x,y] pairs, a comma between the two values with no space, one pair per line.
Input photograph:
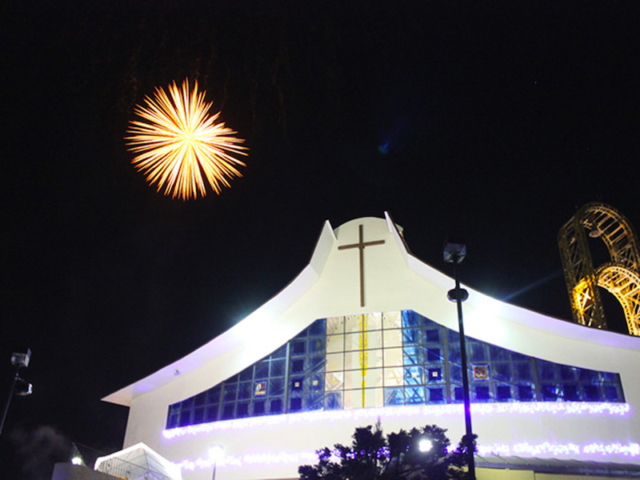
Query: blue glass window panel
[501,372]
[213,395]
[570,392]
[412,355]
[174,409]
[295,404]
[458,394]
[611,393]
[316,383]
[413,376]
[185,418]
[525,393]
[414,395]
[518,357]
[479,352]
[200,399]
[172,421]
[523,372]
[410,319]
[303,333]
[453,337]
[260,388]
[228,411]
[187,403]
[454,352]
[212,413]
[276,386]
[262,370]
[411,336]
[317,346]
[230,392]
[499,354]
[503,393]
[568,373]
[297,366]
[394,396]
[280,353]
[432,335]
[259,407]
[436,395]
[316,362]
[586,375]
[333,401]
[434,355]
[242,410]
[482,393]
[434,374]
[455,372]
[299,347]
[314,401]
[592,393]
[297,384]
[608,377]
[546,370]
[318,327]
[246,374]
[549,392]
[245,389]
[275,406]
[278,368]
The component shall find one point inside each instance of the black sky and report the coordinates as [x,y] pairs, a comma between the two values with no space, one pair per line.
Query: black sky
[490,120]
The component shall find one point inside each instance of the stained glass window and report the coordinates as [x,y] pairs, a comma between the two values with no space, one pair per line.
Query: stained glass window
[390,358]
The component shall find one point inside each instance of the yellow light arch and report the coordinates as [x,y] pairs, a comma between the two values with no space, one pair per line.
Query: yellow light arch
[621,277]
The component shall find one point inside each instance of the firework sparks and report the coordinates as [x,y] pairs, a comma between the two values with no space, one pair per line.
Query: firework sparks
[178,141]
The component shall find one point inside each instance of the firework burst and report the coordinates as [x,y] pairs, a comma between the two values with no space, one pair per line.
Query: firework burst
[179,144]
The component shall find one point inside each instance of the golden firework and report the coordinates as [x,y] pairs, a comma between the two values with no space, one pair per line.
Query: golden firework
[178,141]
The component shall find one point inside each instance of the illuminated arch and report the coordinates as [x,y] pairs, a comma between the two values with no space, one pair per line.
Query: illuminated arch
[621,277]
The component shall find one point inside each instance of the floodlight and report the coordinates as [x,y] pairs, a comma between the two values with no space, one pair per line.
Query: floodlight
[21,359]
[22,387]
[425,445]
[454,250]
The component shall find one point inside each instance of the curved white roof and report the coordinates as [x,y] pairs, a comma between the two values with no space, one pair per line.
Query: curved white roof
[393,279]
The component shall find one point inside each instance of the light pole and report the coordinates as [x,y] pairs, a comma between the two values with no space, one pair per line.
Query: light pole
[454,252]
[18,360]
[216,452]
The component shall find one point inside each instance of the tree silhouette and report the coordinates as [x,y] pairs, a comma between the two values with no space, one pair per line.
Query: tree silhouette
[402,455]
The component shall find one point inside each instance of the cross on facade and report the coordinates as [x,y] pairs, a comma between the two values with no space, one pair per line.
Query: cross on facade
[361,246]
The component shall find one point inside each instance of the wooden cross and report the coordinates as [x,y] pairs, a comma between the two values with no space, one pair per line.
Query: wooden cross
[360,246]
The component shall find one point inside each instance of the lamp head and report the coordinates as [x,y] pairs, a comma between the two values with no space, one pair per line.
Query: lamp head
[21,359]
[216,452]
[425,445]
[454,250]
[22,387]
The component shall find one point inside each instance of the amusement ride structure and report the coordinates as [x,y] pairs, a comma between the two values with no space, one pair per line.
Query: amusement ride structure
[620,276]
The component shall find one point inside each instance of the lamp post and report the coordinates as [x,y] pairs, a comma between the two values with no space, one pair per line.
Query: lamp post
[454,252]
[216,452]
[18,360]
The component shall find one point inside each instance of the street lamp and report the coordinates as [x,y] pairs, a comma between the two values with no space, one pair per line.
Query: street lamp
[216,453]
[454,252]
[18,385]
[425,445]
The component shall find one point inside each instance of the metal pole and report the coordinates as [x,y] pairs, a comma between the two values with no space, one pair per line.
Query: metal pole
[8,402]
[465,375]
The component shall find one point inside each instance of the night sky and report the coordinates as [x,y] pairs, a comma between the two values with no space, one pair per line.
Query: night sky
[493,121]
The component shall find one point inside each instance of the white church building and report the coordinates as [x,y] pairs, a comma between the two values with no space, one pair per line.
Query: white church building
[366,332]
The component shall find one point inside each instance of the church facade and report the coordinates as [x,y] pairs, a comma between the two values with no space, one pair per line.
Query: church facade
[365,333]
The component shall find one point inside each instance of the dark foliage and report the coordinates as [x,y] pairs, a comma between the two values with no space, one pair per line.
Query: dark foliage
[395,456]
